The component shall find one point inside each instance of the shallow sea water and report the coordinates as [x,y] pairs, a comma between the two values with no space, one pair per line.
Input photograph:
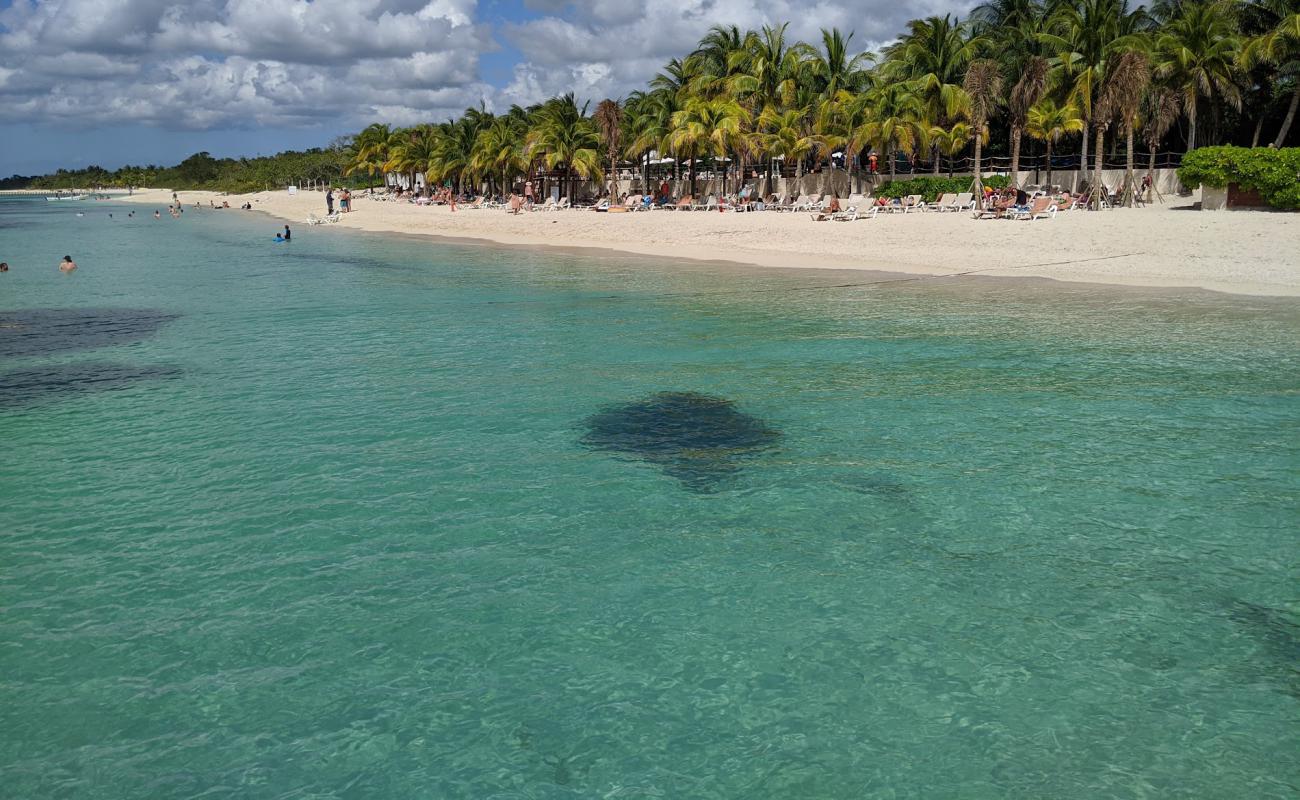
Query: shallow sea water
[375,517]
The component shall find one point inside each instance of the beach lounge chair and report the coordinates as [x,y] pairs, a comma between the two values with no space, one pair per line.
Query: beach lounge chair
[847,215]
[312,219]
[944,203]
[1040,208]
[962,202]
[913,202]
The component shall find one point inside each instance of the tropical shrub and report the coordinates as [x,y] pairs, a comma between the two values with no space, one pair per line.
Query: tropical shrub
[1274,173]
[930,187]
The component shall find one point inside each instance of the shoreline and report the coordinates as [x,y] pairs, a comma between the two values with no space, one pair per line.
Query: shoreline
[1172,246]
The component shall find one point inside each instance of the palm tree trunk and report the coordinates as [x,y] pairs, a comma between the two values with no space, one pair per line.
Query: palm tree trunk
[1290,117]
[1049,165]
[979,153]
[1259,128]
[1016,132]
[692,175]
[892,174]
[1191,125]
[1130,192]
[1096,160]
[1083,157]
[934,152]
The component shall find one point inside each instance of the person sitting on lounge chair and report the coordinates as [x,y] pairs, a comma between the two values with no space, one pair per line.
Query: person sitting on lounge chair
[832,208]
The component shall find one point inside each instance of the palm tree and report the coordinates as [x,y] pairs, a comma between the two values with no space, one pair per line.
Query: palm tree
[933,55]
[1279,46]
[563,136]
[1197,53]
[1129,77]
[983,86]
[1159,113]
[707,127]
[1083,37]
[369,150]
[1048,122]
[896,122]
[951,141]
[415,153]
[833,70]
[784,134]
[609,119]
[498,150]
[1029,89]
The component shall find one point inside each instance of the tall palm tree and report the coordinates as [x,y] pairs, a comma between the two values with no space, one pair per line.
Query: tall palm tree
[1197,52]
[1129,77]
[563,136]
[983,86]
[1279,46]
[1048,122]
[1159,113]
[609,119]
[1083,36]
[834,69]
[933,55]
[1028,90]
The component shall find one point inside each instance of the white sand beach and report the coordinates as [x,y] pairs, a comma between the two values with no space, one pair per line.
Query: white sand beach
[1170,245]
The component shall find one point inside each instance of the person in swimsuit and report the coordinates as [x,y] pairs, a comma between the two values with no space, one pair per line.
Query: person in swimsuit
[4,266]
[67,264]
[287,233]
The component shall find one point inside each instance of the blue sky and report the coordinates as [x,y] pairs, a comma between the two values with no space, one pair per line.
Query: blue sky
[111,82]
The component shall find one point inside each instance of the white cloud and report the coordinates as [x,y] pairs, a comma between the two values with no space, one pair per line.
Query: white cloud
[190,64]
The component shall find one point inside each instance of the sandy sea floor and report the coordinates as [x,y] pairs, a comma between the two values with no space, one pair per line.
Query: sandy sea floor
[1171,245]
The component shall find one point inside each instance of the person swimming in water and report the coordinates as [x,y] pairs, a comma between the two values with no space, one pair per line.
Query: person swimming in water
[278,237]
[287,233]
[67,264]
[4,266]
[157,215]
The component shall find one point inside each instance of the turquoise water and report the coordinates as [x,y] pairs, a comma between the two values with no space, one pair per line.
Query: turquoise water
[373,517]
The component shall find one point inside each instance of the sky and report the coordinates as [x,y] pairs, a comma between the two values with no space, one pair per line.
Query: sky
[113,82]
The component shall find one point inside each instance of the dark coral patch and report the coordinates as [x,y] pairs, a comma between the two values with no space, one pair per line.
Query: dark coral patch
[35,385]
[697,439]
[43,331]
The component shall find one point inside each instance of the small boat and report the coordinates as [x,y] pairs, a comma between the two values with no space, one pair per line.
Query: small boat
[67,197]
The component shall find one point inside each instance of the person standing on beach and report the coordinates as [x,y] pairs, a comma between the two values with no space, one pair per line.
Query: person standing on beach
[528,194]
[329,200]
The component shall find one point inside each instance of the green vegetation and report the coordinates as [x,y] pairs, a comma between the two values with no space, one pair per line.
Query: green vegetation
[930,188]
[1050,75]
[1274,173]
[202,171]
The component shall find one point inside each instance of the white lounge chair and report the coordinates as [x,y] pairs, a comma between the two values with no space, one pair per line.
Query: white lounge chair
[944,203]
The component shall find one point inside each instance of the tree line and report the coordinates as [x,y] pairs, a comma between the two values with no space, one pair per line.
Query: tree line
[1014,74]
